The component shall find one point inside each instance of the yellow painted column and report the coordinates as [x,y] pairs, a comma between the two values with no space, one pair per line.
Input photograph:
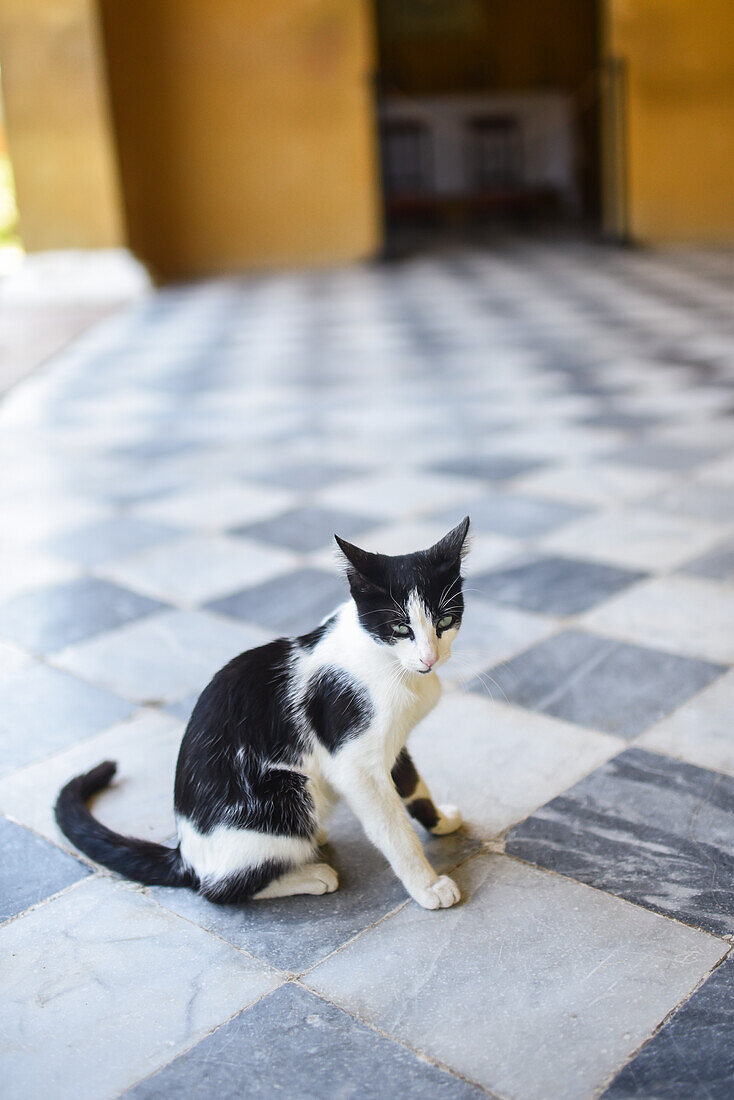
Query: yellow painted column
[678,56]
[58,126]
[246,131]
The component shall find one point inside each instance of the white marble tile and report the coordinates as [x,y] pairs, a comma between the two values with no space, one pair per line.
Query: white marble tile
[22,569]
[592,484]
[689,403]
[192,570]
[403,494]
[701,731]
[635,538]
[101,987]
[162,657]
[534,987]
[681,614]
[138,803]
[38,517]
[217,505]
[499,763]
[12,659]
[720,472]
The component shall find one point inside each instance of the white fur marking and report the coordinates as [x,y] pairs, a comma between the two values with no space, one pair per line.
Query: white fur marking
[225,851]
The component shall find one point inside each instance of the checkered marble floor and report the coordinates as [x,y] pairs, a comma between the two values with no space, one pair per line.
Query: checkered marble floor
[170,483]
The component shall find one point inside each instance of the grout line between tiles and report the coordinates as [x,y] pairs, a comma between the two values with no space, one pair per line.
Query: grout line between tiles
[422,1055]
[201,1039]
[665,1020]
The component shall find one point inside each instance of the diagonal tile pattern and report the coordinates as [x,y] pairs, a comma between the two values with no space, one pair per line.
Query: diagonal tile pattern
[657,831]
[599,682]
[336,1056]
[170,484]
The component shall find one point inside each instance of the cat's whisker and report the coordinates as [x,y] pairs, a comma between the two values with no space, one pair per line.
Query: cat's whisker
[486,680]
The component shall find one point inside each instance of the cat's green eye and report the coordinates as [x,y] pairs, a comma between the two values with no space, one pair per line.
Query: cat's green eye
[401,630]
[445,622]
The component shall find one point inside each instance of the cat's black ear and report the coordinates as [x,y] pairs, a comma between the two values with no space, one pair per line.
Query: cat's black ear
[363,566]
[448,552]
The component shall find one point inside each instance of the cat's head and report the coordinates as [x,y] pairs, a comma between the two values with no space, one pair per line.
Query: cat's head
[412,602]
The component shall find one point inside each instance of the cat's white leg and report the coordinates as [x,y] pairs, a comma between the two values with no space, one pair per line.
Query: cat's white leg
[416,796]
[374,799]
[312,878]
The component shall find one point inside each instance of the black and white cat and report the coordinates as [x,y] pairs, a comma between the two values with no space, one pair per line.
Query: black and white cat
[283,730]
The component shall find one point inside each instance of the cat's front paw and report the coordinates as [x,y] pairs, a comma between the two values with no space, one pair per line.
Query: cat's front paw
[449,820]
[441,895]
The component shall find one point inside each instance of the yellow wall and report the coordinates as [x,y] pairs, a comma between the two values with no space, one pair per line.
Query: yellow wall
[57,124]
[245,131]
[680,116]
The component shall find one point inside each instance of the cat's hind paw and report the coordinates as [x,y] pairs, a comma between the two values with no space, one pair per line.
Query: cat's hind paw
[441,895]
[319,878]
[449,820]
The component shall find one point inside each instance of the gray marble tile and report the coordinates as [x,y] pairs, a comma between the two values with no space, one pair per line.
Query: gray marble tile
[43,710]
[31,869]
[599,682]
[107,539]
[76,1022]
[534,986]
[494,467]
[692,1057]
[307,529]
[291,604]
[293,1043]
[46,619]
[554,585]
[305,476]
[619,418]
[294,933]
[656,831]
[662,456]
[516,515]
[490,633]
[718,564]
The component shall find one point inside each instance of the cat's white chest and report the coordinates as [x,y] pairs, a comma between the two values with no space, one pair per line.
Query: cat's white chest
[399,712]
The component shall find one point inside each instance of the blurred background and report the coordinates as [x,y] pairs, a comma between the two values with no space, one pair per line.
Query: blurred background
[224,135]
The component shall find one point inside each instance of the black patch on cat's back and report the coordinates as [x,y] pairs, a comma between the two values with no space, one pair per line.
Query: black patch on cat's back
[337,708]
[240,730]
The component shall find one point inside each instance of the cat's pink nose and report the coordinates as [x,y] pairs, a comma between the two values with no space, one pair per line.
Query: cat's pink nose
[430,661]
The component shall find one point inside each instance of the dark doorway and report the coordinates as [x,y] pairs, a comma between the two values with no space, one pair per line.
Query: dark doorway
[488,117]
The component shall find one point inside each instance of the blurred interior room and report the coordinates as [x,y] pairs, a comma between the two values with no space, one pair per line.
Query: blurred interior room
[230,135]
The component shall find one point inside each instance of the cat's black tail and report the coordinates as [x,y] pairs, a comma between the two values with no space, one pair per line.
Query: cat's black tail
[140,860]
